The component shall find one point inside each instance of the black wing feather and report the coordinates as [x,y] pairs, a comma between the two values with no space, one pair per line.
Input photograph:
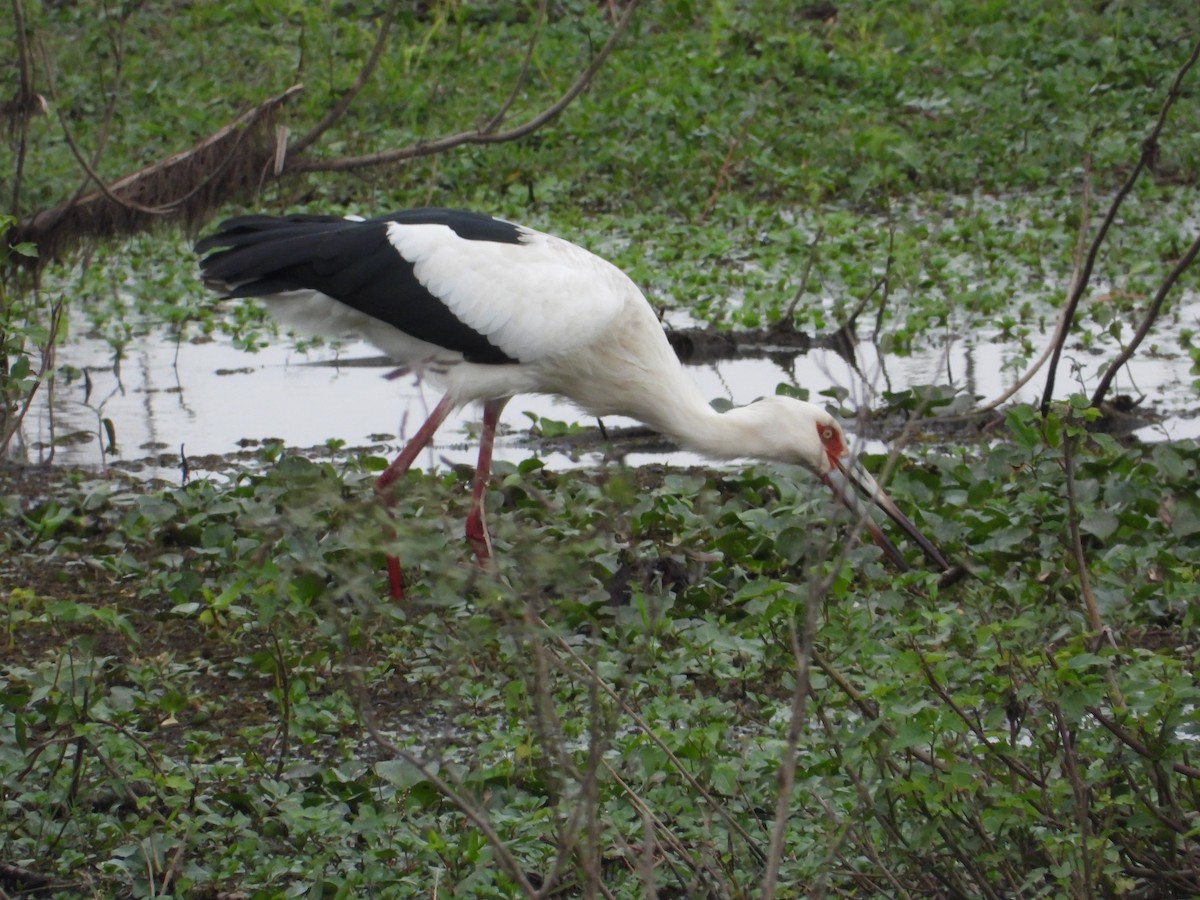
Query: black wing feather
[354,263]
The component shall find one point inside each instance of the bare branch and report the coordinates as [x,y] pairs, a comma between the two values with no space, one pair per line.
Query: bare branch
[23,879]
[972,723]
[869,710]
[648,815]
[26,104]
[1064,320]
[24,72]
[802,652]
[885,282]
[475,815]
[478,136]
[1137,746]
[1149,151]
[229,160]
[338,109]
[10,420]
[112,91]
[726,165]
[787,322]
[494,122]
[94,176]
[237,158]
[658,742]
[1085,583]
[1147,320]
[1080,790]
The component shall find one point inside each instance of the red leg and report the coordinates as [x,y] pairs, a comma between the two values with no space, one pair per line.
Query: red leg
[413,448]
[399,466]
[477,533]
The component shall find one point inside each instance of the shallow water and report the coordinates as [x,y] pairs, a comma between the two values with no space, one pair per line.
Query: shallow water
[208,399]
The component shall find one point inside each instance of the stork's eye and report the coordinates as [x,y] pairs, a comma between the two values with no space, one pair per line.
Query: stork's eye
[826,433]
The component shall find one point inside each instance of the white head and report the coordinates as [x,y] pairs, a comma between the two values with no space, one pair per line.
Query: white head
[787,430]
[793,431]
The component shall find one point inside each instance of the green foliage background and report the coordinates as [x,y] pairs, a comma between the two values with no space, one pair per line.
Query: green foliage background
[203,692]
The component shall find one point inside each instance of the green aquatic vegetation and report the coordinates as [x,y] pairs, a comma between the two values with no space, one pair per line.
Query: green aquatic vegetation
[635,637]
[203,692]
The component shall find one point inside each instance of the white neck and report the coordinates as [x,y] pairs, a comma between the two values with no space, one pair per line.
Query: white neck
[638,375]
[680,411]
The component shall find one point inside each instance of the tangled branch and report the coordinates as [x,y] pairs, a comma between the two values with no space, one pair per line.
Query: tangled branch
[238,158]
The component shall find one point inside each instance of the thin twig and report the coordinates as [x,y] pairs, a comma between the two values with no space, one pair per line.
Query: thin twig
[47,350]
[648,814]
[726,166]
[24,106]
[596,760]
[31,880]
[802,652]
[283,681]
[38,226]
[1064,319]
[862,840]
[661,745]
[1149,152]
[477,817]
[1080,791]
[335,112]
[522,76]
[477,136]
[1081,568]
[787,321]
[880,282]
[1147,321]
[98,179]
[1137,746]
[972,723]
[551,735]
[25,92]
[103,133]
[868,710]
[887,281]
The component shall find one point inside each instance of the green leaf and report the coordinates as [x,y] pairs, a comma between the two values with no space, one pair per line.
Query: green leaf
[1101,523]
[1021,421]
[1185,517]
[401,773]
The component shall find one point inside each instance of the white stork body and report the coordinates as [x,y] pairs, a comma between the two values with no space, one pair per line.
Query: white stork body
[488,310]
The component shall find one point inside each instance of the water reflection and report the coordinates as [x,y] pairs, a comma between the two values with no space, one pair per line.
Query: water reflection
[210,399]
